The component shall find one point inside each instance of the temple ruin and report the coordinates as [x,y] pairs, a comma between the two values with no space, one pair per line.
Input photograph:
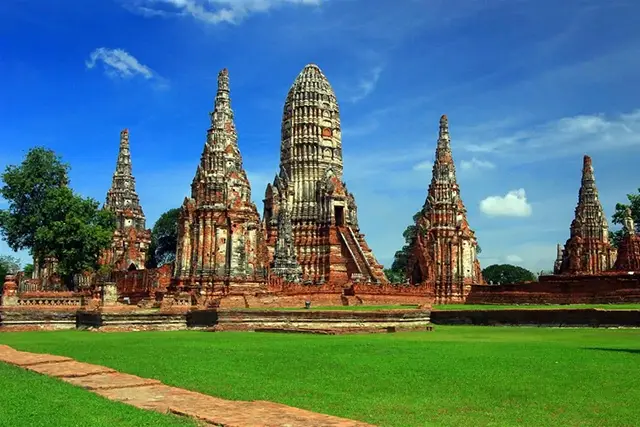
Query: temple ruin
[220,239]
[444,251]
[131,238]
[309,193]
[588,250]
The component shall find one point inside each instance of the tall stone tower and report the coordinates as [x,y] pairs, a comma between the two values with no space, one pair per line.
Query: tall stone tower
[131,238]
[444,251]
[323,213]
[588,250]
[220,239]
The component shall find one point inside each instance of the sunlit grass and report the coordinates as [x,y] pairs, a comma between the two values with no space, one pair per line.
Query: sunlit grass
[453,376]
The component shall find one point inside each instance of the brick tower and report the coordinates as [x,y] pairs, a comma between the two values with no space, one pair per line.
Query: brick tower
[628,258]
[323,213]
[588,250]
[131,238]
[220,240]
[444,250]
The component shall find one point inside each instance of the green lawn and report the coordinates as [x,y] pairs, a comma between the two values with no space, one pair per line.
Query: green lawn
[30,399]
[449,307]
[534,307]
[453,376]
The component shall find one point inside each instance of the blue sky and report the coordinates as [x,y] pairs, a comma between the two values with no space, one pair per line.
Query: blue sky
[529,86]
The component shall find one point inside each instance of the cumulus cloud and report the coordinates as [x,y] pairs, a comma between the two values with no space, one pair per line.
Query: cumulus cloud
[513,259]
[514,203]
[566,136]
[475,164]
[119,63]
[212,11]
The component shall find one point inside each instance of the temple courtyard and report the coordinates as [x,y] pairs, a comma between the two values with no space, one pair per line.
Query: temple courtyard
[454,375]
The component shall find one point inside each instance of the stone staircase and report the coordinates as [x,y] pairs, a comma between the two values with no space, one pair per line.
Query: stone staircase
[349,239]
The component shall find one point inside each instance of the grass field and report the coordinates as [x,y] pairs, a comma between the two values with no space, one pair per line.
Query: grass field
[30,399]
[462,307]
[453,376]
[534,307]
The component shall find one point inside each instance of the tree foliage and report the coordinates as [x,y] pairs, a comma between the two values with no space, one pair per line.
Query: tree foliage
[28,270]
[618,217]
[25,188]
[76,232]
[506,274]
[164,239]
[8,265]
[45,216]
[397,272]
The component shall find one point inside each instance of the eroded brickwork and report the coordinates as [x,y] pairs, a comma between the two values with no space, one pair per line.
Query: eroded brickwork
[220,238]
[444,251]
[628,258]
[131,238]
[323,213]
[588,250]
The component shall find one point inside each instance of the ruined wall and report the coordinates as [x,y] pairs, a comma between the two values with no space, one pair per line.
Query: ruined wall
[607,288]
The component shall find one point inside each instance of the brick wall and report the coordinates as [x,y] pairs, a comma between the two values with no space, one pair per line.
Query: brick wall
[584,289]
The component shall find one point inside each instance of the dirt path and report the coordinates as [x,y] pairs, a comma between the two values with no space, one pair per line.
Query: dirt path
[153,395]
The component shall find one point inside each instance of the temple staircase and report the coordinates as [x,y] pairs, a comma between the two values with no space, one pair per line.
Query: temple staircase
[355,250]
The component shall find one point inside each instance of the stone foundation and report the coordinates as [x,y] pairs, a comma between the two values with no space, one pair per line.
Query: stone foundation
[339,320]
[34,319]
[594,318]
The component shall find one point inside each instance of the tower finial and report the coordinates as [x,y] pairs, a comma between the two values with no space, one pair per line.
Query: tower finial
[444,127]
[587,171]
[223,80]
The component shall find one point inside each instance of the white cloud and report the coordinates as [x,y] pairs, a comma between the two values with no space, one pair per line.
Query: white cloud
[213,11]
[475,164]
[514,203]
[119,63]
[426,165]
[567,136]
[367,85]
[513,259]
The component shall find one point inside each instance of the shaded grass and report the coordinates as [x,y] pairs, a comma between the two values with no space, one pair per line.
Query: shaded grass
[31,399]
[453,376]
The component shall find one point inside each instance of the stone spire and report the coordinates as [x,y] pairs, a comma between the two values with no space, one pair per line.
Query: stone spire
[122,194]
[219,237]
[285,260]
[131,238]
[558,262]
[628,258]
[444,250]
[588,249]
[323,213]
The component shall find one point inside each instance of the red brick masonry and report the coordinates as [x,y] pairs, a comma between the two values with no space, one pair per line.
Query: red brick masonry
[604,288]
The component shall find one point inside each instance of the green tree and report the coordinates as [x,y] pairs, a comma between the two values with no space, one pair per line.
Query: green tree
[45,216]
[28,270]
[75,233]
[397,272]
[618,217]
[164,239]
[25,188]
[506,274]
[8,265]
